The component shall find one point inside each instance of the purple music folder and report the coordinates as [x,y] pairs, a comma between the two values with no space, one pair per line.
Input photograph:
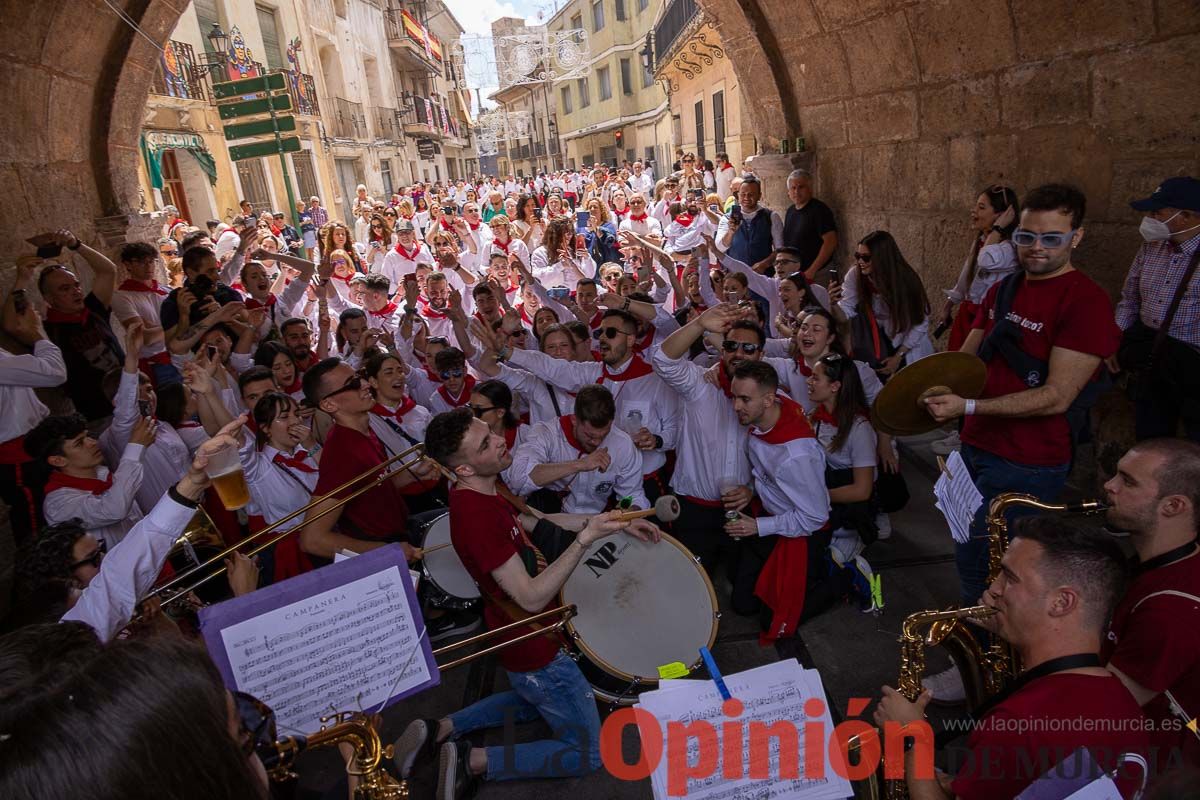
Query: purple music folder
[303,644]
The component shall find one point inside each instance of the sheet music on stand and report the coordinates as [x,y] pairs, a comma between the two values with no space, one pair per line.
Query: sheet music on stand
[348,636]
[771,693]
[957,497]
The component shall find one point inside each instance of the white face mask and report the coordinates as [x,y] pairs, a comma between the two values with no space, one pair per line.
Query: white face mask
[1157,230]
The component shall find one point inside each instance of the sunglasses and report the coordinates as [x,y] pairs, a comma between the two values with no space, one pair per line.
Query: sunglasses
[1050,241]
[377,226]
[451,373]
[749,348]
[256,727]
[479,411]
[689,161]
[93,560]
[611,332]
[353,385]
[863,257]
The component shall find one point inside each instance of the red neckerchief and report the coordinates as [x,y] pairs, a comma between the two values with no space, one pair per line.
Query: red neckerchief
[410,256]
[252,304]
[792,424]
[725,382]
[637,369]
[295,462]
[446,226]
[312,359]
[504,247]
[386,311]
[474,226]
[54,315]
[684,219]
[296,385]
[345,280]
[644,343]
[596,319]
[60,480]
[803,368]
[510,437]
[638,217]
[524,316]
[622,214]
[567,423]
[463,397]
[237,287]
[407,216]
[130,285]
[428,311]
[822,415]
[406,405]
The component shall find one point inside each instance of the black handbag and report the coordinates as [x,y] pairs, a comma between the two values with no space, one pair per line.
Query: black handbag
[891,491]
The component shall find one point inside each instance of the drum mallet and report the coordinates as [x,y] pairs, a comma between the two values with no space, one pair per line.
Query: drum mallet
[666,508]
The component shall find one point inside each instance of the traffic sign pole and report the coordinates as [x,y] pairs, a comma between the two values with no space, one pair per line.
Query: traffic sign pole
[287,178]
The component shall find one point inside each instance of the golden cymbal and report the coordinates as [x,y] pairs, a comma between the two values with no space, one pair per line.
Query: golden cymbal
[900,409]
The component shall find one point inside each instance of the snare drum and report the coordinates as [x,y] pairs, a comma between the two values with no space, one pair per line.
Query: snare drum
[443,571]
[641,606]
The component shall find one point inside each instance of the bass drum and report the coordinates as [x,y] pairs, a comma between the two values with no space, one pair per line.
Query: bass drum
[640,606]
[450,585]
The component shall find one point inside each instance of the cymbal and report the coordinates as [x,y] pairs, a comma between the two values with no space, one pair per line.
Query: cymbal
[899,409]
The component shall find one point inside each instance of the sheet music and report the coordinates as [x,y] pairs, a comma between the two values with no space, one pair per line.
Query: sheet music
[342,647]
[957,497]
[772,693]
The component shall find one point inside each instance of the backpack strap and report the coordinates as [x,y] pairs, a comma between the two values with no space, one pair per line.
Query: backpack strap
[1005,337]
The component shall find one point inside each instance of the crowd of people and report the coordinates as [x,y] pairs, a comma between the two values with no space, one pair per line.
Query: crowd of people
[562,346]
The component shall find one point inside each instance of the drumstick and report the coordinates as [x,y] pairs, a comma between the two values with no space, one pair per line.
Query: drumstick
[666,508]
[427,550]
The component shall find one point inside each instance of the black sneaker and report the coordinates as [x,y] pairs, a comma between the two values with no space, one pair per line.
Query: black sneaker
[455,781]
[417,744]
[452,623]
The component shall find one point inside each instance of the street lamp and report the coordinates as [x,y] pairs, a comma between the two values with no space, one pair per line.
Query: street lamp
[213,60]
[647,53]
[217,39]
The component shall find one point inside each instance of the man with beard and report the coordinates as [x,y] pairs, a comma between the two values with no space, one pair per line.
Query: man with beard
[297,336]
[434,306]
[1042,331]
[646,408]
[403,259]
[712,469]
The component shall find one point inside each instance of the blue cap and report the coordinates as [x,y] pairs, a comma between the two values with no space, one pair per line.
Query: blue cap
[1182,192]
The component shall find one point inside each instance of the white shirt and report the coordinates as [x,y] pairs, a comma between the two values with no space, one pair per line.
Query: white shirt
[164,462]
[397,435]
[647,396]
[515,246]
[789,476]
[642,184]
[110,515]
[588,492]
[557,273]
[643,227]
[712,443]
[724,178]
[795,383]
[857,451]
[129,570]
[19,375]
[916,338]
[277,489]
[994,263]
[127,304]
[537,394]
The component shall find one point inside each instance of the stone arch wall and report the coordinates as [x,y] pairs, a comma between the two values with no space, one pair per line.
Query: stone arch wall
[910,106]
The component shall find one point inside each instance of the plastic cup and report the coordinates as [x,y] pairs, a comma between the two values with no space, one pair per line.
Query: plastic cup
[224,469]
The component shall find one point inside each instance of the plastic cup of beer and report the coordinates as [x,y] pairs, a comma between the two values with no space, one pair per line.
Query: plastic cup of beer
[225,471]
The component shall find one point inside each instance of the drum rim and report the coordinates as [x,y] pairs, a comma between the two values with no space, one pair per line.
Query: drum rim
[616,672]
[427,574]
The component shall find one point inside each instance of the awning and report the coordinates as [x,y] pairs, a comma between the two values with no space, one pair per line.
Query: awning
[154,142]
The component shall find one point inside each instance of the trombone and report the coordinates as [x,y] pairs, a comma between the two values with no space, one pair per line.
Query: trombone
[414,456]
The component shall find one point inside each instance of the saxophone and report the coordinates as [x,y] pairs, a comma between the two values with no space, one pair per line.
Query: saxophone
[356,729]
[985,672]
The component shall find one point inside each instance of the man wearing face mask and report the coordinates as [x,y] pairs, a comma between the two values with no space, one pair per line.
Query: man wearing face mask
[1159,313]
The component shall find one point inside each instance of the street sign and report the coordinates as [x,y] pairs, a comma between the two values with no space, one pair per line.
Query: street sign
[247,108]
[260,127]
[267,147]
[228,89]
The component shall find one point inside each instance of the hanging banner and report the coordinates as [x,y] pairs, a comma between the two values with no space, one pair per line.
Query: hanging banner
[154,142]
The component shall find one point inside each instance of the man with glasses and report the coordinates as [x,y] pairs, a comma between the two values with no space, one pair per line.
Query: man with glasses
[712,469]
[450,366]
[408,253]
[140,297]
[1043,331]
[482,234]
[377,516]
[647,409]
[809,226]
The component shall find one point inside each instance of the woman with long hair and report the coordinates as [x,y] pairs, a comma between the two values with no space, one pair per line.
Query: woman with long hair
[618,203]
[884,300]
[601,234]
[277,357]
[527,223]
[399,422]
[556,261]
[840,421]
[379,239]
[336,236]
[421,213]
[991,259]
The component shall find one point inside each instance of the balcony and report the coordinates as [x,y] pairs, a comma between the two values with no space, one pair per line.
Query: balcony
[412,43]
[671,31]
[422,117]
[177,75]
[303,90]
[346,119]
[387,124]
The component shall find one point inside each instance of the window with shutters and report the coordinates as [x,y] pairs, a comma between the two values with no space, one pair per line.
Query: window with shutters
[585,92]
[598,15]
[577,25]
[268,25]
[254,183]
[647,77]
[718,104]
[604,77]
[620,10]
[306,176]
[207,14]
[626,77]
[699,133]
[566,99]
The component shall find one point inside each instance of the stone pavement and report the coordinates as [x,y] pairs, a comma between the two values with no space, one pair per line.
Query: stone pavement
[856,653]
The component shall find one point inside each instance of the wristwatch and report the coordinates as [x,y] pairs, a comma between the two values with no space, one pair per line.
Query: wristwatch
[77,245]
[409,310]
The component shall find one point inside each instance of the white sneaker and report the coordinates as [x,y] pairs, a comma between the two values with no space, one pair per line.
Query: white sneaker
[947,686]
[884,523]
[946,446]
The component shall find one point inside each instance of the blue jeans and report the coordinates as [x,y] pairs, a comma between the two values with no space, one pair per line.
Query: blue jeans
[994,475]
[559,694]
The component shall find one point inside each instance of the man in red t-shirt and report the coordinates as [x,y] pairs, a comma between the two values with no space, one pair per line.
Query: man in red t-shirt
[491,538]
[1054,327]
[377,516]
[1153,645]
[1053,598]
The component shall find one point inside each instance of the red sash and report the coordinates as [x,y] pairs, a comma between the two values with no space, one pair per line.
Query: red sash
[60,480]
[130,285]
[637,368]
[296,462]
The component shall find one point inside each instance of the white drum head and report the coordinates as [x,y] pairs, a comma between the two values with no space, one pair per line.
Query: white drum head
[444,567]
[641,606]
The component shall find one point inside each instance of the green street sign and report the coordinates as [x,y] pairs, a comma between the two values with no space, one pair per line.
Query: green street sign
[223,91]
[249,108]
[260,127]
[267,147]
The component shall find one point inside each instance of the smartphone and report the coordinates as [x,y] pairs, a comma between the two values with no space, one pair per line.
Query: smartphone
[735,215]
[144,407]
[581,221]
[697,193]
[20,301]
[450,210]
[559,292]
[834,276]
[49,251]
[580,242]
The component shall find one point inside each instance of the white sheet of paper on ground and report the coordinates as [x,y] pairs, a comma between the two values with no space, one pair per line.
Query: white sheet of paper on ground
[957,497]
[770,693]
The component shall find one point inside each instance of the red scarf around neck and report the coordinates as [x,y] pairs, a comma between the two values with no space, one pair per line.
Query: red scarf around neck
[639,217]
[567,423]
[791,425]
[252,304]
[463,397]
[386,311]
[725,382]
[684,219]
[54,315]
[637,368]
[130,285]
[296,462]
[411,256]
[427,310]
[406,405]
[822,415]
[61,480]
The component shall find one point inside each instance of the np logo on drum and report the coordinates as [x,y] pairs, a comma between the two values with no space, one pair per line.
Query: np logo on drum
[604,558]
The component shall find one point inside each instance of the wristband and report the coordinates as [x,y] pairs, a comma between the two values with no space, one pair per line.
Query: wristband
[969,409]
[174,494]
[78,244]
[409,310]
